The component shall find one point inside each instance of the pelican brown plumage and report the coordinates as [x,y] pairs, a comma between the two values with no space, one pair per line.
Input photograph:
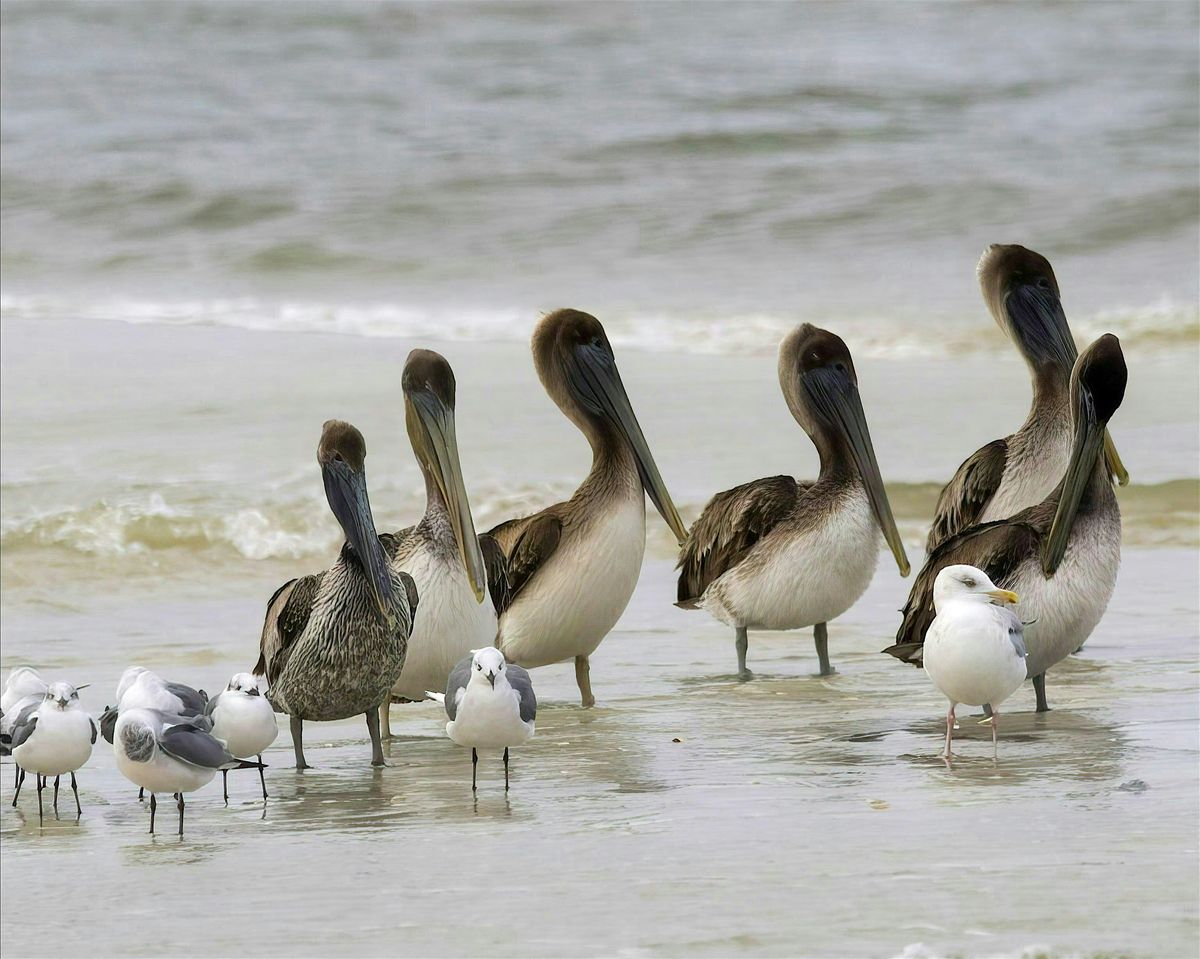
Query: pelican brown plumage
[1061,556]
[442,553]
[572,567]
[1018,471]
[333,643]
[777,554]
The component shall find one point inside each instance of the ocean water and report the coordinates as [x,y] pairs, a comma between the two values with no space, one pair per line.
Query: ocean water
[225,223]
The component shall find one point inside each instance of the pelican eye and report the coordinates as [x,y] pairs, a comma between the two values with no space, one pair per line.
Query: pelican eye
[1043,283]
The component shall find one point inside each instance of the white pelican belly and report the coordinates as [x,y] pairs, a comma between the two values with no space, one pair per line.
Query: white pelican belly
[571,604]
[449,622]
[801,576]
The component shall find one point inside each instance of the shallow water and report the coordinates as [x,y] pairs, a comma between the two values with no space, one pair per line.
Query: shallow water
[795,815]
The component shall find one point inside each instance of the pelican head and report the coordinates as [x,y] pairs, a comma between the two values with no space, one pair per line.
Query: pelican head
[342,453]
[1022,294]
[1097,388]
[576,365]
[428,384]
[487,664]
[816,374]
[968,583]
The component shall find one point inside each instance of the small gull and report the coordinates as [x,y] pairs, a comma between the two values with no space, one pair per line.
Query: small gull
[974,649]
[491,705]
[244,720]
[23,686]
[53,737]
[169,753]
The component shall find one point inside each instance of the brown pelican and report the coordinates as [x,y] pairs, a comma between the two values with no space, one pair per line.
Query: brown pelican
[1060,556]
[777,554]
[573,566]
[441,553]
[1008,475]
[333,643]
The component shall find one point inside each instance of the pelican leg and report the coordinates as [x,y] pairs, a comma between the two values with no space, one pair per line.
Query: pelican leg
[474,766]
[41,784]
[17,788]
[75,790]
[225,784]
[949,731]
[179,797]
[1039,687]
[56,779]
[506,769]
[261,778]
[153,809]
[742,642]
[385,718]
[583,677]
[376,744]
[298,742]
[821,639]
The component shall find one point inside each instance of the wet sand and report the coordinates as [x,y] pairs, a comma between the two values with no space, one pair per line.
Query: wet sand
[796,815]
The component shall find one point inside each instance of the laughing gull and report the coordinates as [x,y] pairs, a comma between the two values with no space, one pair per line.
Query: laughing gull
[165,753]
[53,737]
[244,720]
[23,686]
[974,649]
[490,704]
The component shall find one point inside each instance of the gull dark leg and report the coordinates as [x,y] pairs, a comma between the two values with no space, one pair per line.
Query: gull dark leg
[261,778]
[141,795]
[41,784]
[153,807]
[16,776]
[506,769]
[20,782]
[376,743]
[742,642]
[1039,687]
[987,710]
[474,766]
[298,742]
[75,790]
[225,784]
[179,797]
[583,678]
[56,779]
[821,640]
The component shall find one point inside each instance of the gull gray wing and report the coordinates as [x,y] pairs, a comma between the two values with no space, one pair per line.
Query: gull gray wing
[94,730]
[287,615]
[996,548]
[190,743]
[963,500]
[108,723]
[24,725]
[518,679]
[211,708]
[1016,629]
[728,528]
[460,675]
[193,700]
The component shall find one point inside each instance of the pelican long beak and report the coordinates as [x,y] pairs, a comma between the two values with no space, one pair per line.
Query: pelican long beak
[431,429]
[346,491]
[1085,448]
[1039,326]
[1004,596]
[597,382]
[836,397]
[1112,457]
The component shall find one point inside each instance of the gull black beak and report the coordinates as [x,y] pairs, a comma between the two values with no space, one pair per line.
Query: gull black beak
[491,678]
[346,490]
[594,376]
[431,429]
[1088,441]
[253,692]
[835,396]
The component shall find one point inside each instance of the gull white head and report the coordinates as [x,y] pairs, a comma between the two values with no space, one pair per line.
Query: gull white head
[24,681]
[245,683]
[487,665]
[63,696]
[968,583]
[128,678]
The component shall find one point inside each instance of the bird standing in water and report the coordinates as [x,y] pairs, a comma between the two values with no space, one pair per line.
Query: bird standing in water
[244,721]
[333,643]
[52,738]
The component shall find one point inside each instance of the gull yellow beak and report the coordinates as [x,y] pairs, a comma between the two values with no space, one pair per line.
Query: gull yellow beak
[1004,596]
